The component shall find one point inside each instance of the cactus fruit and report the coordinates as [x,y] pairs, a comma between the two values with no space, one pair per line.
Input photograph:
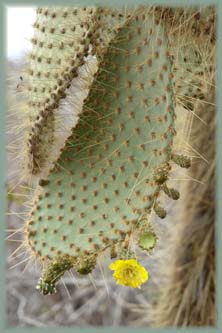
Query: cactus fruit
[67,48]
[147,240]
[117,160]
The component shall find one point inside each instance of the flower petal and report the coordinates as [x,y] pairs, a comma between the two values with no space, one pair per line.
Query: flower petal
[129,273]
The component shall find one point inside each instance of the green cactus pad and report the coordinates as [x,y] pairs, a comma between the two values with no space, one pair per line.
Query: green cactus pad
[105,179]
[60,43]
[67,45]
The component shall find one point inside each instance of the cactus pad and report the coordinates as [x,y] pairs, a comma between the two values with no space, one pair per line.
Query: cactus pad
[109,174]
[63,63]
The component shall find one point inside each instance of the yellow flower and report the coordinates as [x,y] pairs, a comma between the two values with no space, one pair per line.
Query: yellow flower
[129,273]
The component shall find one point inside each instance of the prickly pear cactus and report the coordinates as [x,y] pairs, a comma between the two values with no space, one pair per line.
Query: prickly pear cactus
[116,161]
[63,64]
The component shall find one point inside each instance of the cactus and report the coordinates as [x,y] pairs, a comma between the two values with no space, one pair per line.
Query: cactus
[67,48]
[117,160]
[98,187]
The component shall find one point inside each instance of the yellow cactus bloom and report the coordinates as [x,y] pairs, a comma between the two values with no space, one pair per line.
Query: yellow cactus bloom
[129,273]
